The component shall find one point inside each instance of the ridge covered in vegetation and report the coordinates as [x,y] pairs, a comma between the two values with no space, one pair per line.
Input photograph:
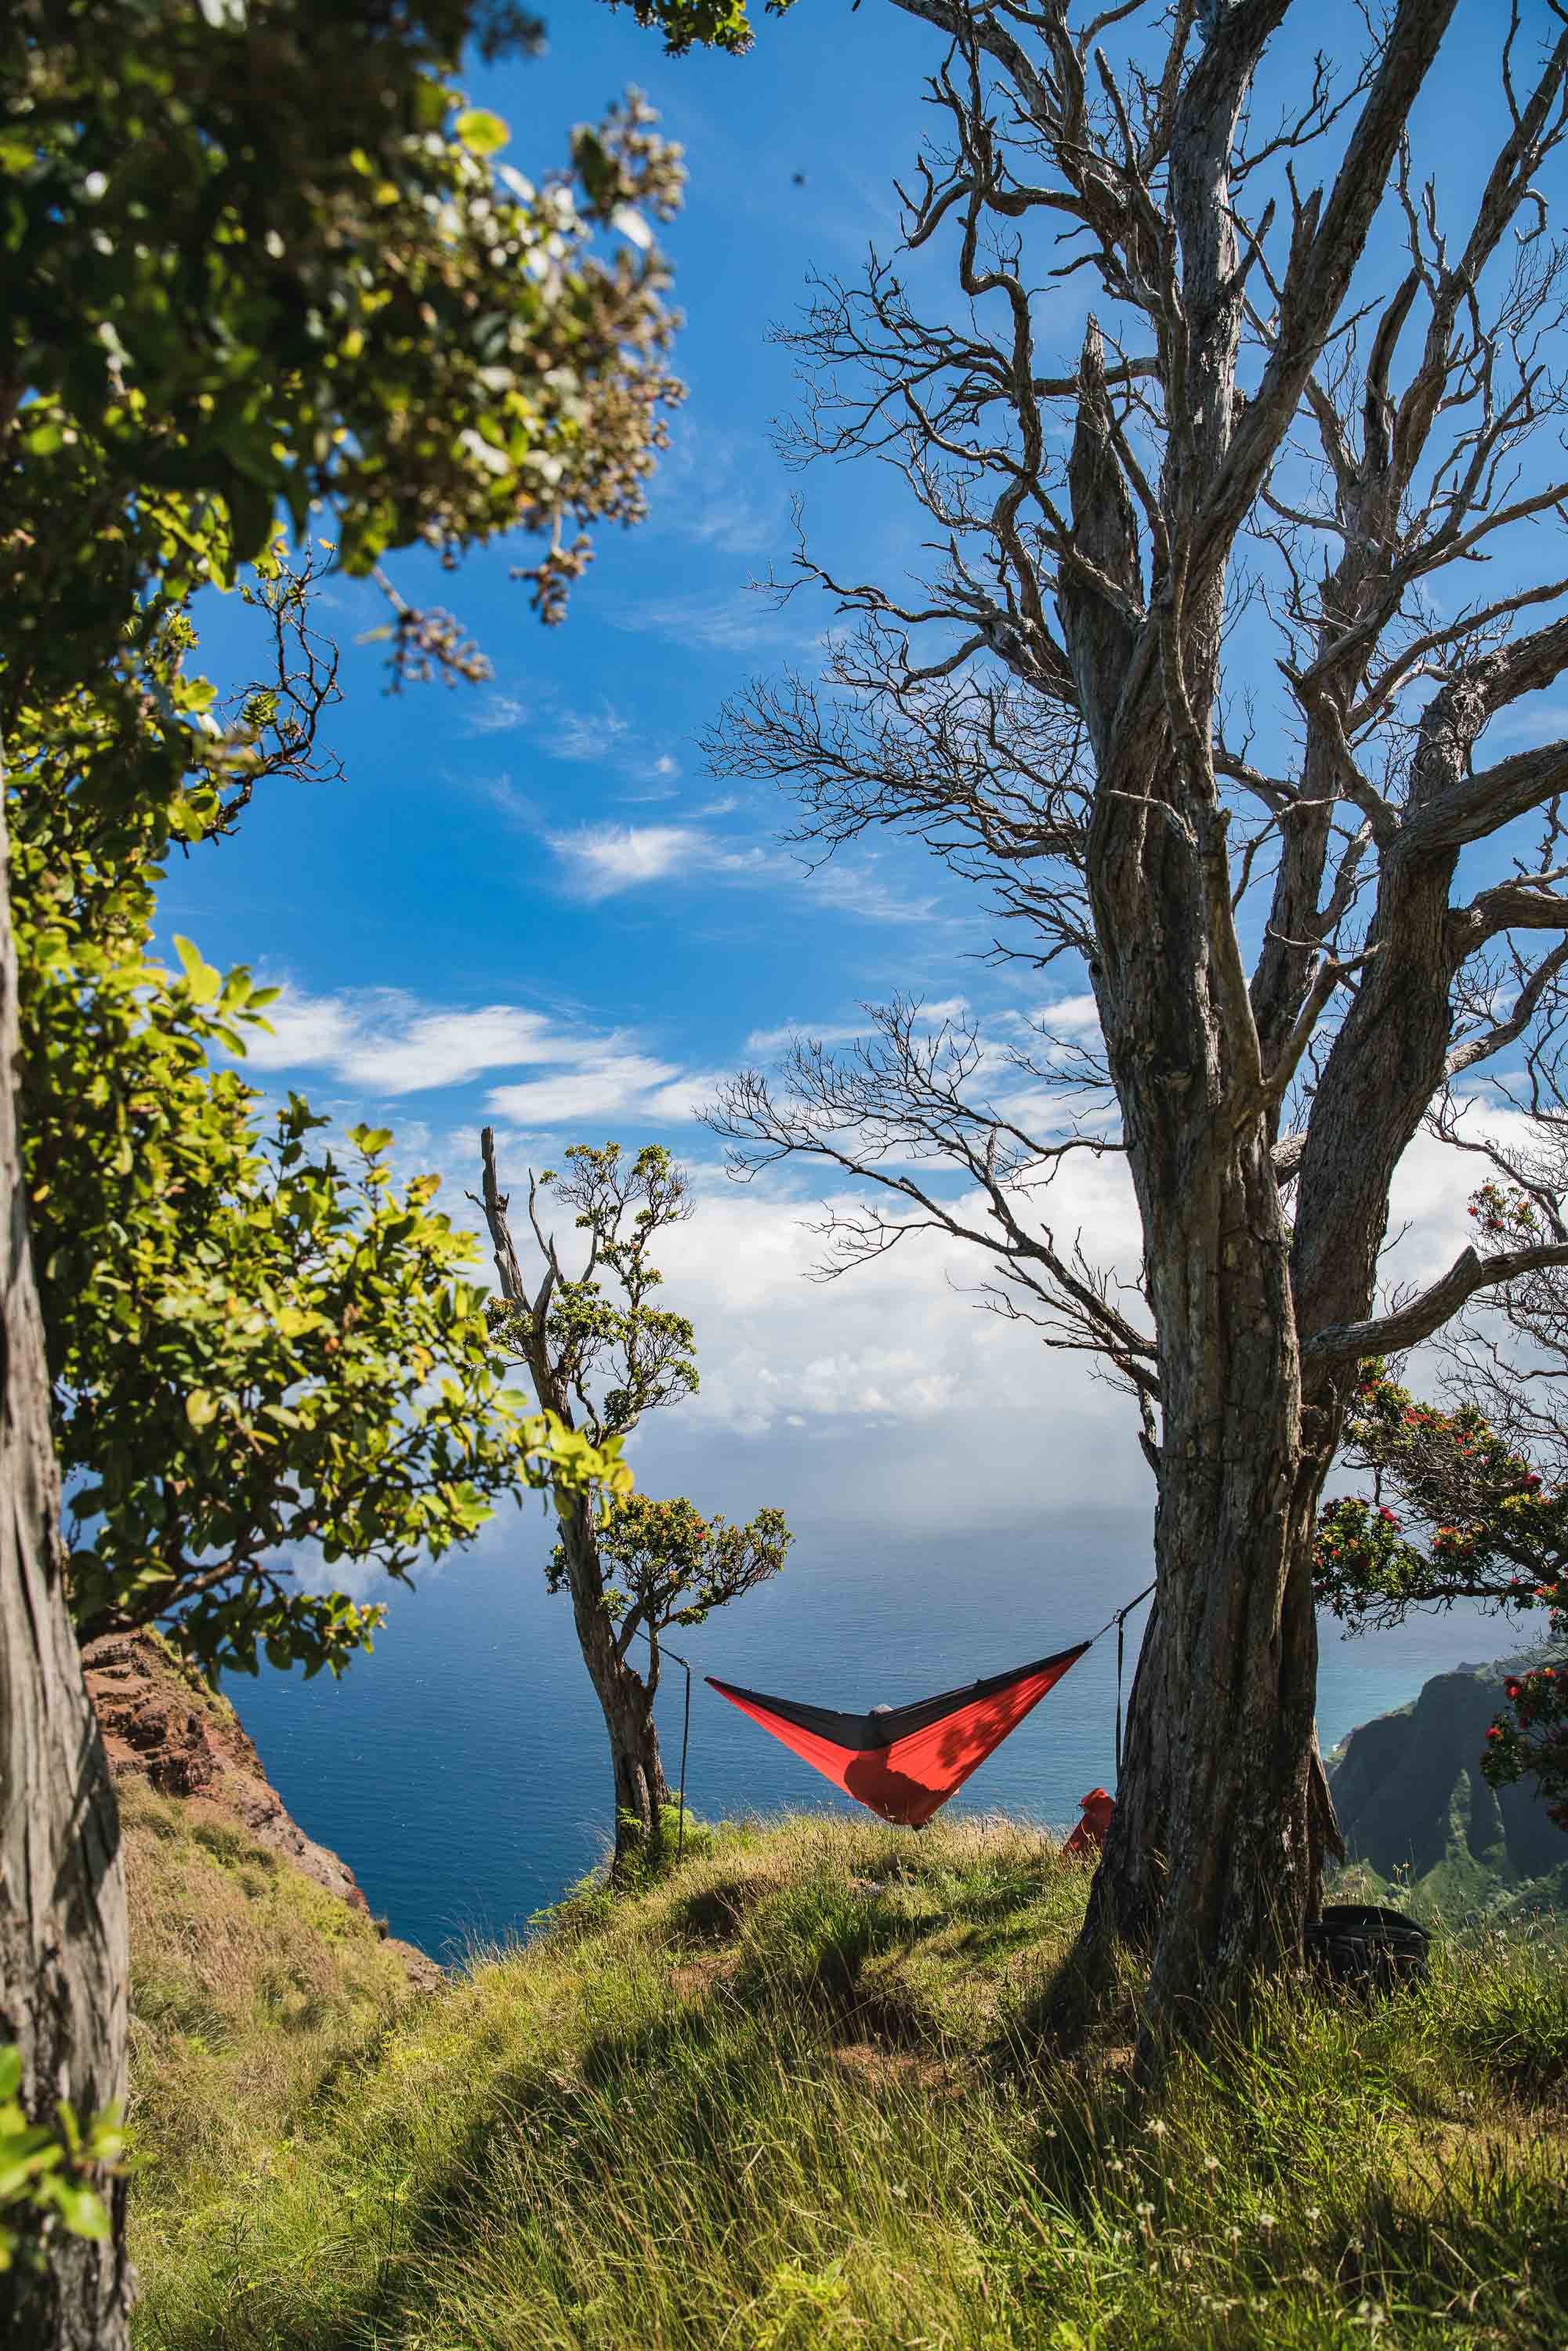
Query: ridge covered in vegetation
[1423,1826]
[795,2095]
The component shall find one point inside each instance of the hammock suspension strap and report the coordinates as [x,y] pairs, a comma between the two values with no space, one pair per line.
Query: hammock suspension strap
[676,1658]
[1120,1622]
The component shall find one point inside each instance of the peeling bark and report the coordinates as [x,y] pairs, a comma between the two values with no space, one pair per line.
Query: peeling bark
[64,1960]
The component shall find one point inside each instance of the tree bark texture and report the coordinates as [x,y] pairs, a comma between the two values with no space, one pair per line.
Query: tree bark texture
[1214,1858]
[625,1697]
[63,1952]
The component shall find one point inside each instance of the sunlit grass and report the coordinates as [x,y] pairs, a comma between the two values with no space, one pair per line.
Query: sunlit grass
[787,2099]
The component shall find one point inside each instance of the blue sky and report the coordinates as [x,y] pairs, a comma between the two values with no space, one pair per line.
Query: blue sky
[529,902]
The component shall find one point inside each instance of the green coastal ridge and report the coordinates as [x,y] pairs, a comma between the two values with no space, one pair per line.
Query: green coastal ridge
[1423,1829]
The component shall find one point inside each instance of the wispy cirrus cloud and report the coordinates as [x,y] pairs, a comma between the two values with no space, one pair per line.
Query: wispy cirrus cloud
[495,714]
[602,859]
[600,738]
[766,1042]
[860,889]
[589,737]
[608,1087]
[620,1085]
[728,620]
[721,491]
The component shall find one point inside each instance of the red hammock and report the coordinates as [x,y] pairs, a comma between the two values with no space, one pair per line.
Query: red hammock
[904,1761]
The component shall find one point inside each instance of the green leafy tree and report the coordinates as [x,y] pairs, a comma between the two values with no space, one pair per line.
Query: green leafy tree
[669,1566]
[258,254]
[714,23]
[1457,1512]
[600,1355]
[253,1350]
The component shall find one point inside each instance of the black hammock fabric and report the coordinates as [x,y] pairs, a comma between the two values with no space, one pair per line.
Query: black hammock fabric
[904,1761]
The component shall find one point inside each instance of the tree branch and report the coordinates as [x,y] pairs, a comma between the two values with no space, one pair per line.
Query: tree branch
[1386,1334]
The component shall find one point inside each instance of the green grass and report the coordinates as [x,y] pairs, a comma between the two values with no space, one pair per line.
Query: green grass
[252,1990]
[786,2101]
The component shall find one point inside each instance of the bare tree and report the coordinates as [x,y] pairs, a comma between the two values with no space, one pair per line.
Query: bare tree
[599,1354]
[1268,458]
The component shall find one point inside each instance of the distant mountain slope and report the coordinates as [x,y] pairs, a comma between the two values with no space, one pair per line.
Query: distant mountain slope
[1418,1818]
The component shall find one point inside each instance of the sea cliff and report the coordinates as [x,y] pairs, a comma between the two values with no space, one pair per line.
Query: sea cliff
[1420,1822]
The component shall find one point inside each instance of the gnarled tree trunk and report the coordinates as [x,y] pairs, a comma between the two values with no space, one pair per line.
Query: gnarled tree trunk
[1059,735]
[63,1956]
[1214,1852]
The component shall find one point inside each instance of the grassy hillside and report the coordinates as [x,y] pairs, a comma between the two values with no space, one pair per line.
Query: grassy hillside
[791,2101]
[252,1988]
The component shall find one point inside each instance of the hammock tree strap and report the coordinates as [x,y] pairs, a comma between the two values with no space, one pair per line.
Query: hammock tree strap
[1120,1622]
[1120,1639]
[685,1742]
[676,1658]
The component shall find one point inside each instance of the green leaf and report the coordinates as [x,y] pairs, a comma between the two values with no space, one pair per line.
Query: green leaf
[480,131]
[80,2209]
[201,1408]
[202,977]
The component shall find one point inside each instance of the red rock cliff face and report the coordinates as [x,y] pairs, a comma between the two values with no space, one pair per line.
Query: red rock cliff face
[162,1723]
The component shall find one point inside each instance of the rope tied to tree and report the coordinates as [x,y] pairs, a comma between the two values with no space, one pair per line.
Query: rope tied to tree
[1120,1622]
[675,1656]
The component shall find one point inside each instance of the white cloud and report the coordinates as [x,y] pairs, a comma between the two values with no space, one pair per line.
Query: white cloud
[587,736]
[767,1041]
[613,1086]
[605,858]
[719,491]
[892,1344]
[887,1375]
[856,890]
[496,713]
[678,1103]
[884,1393]
[602,859]
[385,1043]
[1070,1016]
[563,730]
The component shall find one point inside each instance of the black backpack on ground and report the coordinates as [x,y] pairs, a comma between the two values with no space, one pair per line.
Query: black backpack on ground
[1368,1948]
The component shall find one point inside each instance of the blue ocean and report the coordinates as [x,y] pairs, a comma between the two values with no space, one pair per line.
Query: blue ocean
[462,1770]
